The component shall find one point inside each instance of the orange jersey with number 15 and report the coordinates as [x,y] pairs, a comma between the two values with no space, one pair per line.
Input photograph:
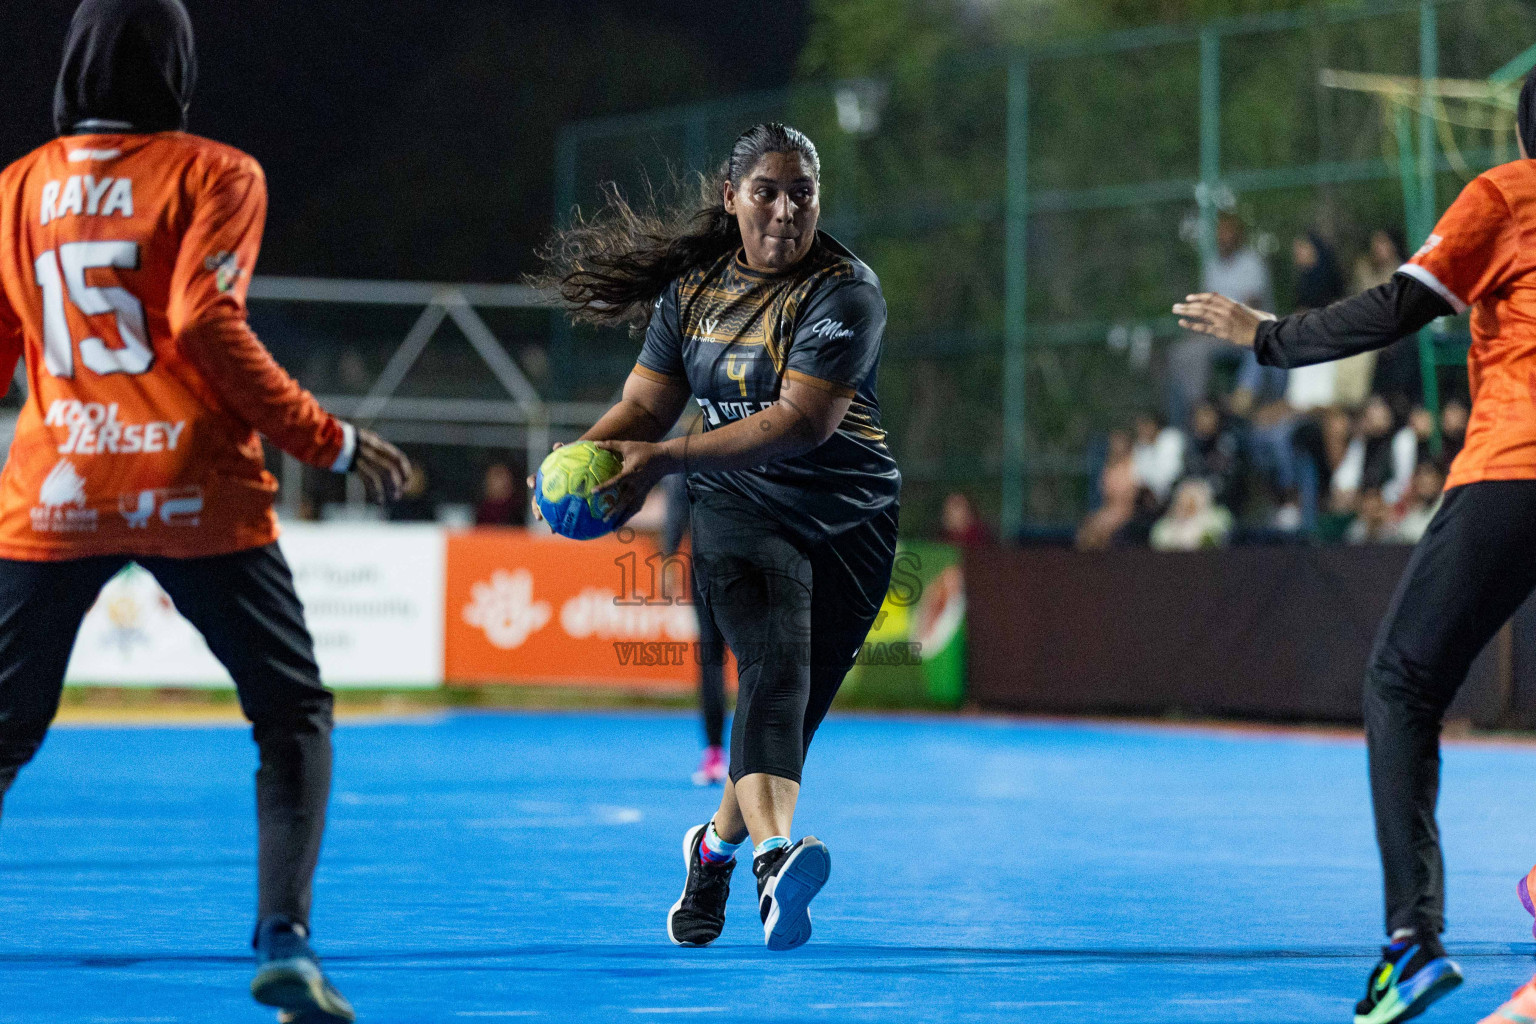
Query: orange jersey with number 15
[116,252]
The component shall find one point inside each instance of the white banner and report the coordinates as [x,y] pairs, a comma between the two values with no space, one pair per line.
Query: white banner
[373,598]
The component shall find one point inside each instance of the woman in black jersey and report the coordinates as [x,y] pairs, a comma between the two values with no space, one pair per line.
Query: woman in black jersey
[774,329]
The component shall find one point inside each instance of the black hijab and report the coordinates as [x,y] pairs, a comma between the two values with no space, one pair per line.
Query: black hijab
[1525,114]
[128,61]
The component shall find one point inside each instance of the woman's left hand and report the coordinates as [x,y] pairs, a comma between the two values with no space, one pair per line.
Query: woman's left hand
[644,466]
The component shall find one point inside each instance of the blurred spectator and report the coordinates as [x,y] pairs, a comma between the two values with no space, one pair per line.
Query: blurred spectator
[1118,489]
[1237,271]
[1421,503]
[1193,521]
[1214,454]
[1373,522]
[501,503]
[413,506]
[962,526]
[1381,456]
[1453,430]
[1158,455]
[1395,373]
[1319,283]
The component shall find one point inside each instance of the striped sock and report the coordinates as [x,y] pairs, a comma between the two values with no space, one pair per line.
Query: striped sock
[714,850]
[771,843]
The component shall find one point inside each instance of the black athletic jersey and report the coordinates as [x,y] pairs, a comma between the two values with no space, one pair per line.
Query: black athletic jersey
[733,334]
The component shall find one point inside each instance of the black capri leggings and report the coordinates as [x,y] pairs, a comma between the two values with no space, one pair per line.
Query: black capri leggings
[245,606]
[794,613]
[1474,567]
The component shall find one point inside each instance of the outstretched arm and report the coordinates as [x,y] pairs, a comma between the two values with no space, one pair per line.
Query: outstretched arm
[1371,320]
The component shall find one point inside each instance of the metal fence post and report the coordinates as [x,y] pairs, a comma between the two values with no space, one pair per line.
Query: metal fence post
[1210,141]
[1429,70]
[1015,325]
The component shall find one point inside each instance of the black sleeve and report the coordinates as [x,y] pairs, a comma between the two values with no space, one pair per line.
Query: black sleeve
[837,338]
[1371,320]
[661,357]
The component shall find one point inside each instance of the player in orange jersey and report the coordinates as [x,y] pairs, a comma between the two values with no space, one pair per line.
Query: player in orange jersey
[1476,563]
[126,248]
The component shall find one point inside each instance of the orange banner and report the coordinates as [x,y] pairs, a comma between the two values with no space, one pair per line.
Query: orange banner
[530,608]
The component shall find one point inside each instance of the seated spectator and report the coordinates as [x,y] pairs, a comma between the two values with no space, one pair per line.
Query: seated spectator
[413,505]
[1118,489]
[1420,504]
[1453,431]
[962,526]
[1158,455]
[1214,454]
[1381,456]
[500,502]
[1373,522]
[1193,521]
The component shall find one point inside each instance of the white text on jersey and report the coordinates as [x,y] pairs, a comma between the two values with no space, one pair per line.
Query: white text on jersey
[95,430]
[84,195]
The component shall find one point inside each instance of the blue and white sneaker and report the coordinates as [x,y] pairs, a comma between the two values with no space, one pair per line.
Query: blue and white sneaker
[788,878]
[1413,973]
[288,976]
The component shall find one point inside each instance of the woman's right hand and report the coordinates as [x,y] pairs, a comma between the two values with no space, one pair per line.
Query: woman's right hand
[1220,317]
[533,495]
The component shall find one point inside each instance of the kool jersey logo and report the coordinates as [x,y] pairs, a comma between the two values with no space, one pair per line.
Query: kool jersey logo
[61,502]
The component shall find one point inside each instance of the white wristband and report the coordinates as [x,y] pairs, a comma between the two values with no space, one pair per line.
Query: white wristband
[343,463]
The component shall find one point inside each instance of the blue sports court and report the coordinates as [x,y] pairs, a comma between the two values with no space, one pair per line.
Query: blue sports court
[487,867]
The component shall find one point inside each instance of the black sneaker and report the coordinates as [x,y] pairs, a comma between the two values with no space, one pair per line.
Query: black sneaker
[699,913]
[788,878]
[288,976]
[1412,974]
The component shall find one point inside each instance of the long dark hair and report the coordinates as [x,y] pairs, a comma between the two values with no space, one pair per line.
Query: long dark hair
[610,267]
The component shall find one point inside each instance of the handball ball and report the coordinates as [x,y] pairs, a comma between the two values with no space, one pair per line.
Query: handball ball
[564,487]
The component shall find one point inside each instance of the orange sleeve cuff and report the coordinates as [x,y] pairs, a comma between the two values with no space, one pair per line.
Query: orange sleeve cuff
[840,390]
[656,375]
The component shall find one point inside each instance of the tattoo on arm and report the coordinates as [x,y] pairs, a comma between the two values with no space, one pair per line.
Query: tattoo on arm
[802,424]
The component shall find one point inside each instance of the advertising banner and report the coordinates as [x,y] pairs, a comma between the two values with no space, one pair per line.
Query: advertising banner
[373,598]
[915,654]
[529,608]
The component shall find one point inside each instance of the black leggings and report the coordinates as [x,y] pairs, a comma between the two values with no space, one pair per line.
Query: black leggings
[794,613]
[246,608]
[711,658]
[1474,567]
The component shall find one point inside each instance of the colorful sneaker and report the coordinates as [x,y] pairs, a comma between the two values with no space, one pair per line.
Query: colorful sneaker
[698,916]
[288,976]
[1523,890]
[1412,974]
[788,878]
[712,768]
[1521,1008]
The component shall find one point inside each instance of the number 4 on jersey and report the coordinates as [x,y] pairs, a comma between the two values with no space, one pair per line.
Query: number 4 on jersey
[68,266]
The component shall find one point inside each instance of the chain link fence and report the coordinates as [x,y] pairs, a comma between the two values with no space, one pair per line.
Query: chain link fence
[1032,214]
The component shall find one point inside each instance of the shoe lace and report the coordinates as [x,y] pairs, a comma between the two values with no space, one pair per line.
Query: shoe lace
[711,882]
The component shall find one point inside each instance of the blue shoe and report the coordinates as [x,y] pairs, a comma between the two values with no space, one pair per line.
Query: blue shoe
[788,878]
[288,976]
[1413,974]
